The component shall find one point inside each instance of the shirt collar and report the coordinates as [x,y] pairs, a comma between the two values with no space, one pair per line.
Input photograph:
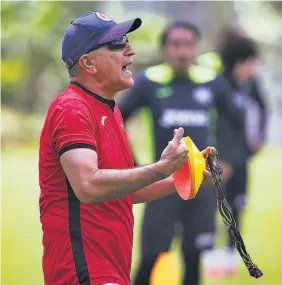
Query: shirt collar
[110,102]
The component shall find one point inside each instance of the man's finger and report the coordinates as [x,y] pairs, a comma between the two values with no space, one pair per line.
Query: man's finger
[208,150]
[207,174]
[178,135]
[212,150]
[207,178]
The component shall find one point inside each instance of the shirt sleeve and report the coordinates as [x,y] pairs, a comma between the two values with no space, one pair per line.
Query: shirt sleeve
[224,103]
[259,98]
[73,126]
[134,98]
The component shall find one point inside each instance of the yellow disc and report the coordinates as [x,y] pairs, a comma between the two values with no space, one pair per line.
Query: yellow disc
[197,164]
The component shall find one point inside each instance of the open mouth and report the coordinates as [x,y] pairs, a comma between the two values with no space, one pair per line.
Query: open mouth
[125,67]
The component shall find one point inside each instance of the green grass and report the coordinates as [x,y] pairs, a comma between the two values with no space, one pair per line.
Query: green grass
[21,229]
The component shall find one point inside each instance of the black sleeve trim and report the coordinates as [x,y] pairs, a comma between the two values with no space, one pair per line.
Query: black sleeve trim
[76,145]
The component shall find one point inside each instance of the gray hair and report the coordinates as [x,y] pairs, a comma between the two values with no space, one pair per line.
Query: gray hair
[74,71]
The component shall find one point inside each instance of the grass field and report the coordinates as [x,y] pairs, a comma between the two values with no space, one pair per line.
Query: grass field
[21,231]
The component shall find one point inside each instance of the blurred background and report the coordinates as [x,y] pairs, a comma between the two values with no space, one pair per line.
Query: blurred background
[32,74]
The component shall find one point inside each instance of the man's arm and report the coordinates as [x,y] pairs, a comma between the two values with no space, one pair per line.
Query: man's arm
[92,184]
[165,187]
[154,191]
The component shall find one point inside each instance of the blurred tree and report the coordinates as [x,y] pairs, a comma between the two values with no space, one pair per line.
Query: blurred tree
[207,15]
[32,33]
[32,72]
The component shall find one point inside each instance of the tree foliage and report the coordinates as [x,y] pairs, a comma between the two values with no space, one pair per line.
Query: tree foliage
[32,70]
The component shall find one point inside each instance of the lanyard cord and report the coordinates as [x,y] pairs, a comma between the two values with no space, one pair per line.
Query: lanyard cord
[227,216]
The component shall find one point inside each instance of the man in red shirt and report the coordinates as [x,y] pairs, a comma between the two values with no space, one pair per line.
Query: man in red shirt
[87,177]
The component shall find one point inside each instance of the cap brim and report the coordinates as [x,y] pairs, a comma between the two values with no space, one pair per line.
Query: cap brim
[120,30]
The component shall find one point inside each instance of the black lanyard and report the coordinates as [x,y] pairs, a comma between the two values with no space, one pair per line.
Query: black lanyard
[227,216]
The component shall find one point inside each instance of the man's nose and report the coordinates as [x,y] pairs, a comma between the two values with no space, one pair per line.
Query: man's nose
[129,50]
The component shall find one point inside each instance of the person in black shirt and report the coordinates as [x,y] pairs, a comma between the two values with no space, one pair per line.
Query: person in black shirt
[178,92]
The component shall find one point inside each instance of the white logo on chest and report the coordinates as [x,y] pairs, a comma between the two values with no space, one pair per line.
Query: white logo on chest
[202,95]
[103,119]
[184,118]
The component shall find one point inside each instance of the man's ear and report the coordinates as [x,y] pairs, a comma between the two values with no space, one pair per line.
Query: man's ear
[88,63]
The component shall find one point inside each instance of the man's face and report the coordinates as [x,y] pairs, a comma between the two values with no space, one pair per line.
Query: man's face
[112,67]
[180,50]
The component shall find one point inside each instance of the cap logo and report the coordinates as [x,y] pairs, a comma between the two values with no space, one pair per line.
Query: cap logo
[103,17]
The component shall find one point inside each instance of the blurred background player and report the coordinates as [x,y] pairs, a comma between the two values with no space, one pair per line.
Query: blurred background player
[237,59]
[179,93]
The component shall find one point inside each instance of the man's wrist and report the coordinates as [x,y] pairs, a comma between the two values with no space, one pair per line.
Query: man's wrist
[160,167]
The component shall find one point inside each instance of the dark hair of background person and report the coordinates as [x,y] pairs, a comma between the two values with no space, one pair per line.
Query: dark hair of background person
[178,24]
[234,47]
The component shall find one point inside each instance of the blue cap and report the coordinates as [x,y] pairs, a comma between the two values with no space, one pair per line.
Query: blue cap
[89,30]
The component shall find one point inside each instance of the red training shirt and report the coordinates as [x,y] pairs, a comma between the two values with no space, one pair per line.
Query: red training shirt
[83,244]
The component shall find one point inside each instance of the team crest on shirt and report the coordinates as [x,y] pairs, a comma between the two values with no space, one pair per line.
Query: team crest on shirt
[202,95]
[164,92]
[103,16]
